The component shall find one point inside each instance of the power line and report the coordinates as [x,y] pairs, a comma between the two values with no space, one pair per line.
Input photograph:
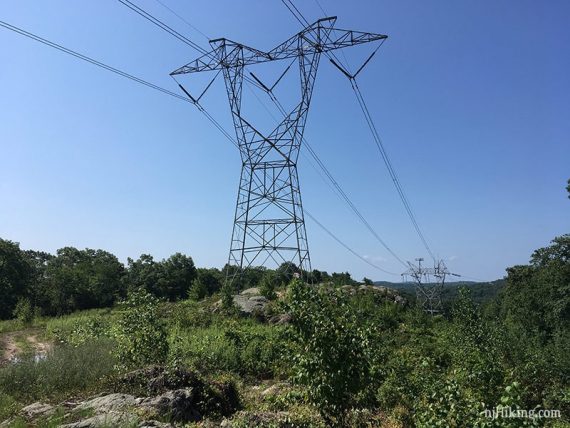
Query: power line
[376,136]
[113,70]
[346,246]
[182,19]
[149,17]
[342,194]
[162,25]
[389,166]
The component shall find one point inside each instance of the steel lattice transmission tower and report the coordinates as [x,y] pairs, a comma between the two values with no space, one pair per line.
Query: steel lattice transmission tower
[428,283]
[269,225]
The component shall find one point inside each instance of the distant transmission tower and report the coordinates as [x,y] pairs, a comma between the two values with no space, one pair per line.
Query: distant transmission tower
[428,283]
[269,225]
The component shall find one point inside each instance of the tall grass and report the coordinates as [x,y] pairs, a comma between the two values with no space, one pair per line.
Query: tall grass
[65,370]
[248,348]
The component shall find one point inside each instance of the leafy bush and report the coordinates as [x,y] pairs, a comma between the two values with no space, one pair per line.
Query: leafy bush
[140,333]
[189,314]
[249,349]
[268,284]
[25,312]
[332,358]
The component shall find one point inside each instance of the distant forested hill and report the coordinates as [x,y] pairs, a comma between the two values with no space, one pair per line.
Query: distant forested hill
[481,292]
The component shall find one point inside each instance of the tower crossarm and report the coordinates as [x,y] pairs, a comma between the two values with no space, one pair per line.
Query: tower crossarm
[319,37]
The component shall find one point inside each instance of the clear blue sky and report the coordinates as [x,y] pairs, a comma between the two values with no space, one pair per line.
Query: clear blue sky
[471,98]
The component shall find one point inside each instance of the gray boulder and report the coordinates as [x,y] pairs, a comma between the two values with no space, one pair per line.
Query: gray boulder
[110,419]
[250,303]
[38,409]
[108,403]
[180,405]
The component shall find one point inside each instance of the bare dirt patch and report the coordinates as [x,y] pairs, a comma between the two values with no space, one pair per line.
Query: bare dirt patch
[15,344]
[10,350]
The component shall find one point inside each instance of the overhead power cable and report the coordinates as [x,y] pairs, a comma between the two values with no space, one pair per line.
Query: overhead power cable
[149,17]
[365,260]
[389,166]
[182,19]
[342,194]
[370,122]
[161,25]
[112,70]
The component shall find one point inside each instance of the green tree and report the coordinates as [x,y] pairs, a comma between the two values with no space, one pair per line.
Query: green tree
[537,296]
[198,289]
[268,285]
[207,282]
[367,281]
[177,274]
[286,272]
[343,278]
[15,276]
[82,279]
[143,273]
[38,260]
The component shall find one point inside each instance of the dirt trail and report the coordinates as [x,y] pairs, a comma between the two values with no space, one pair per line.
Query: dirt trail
[10,350]
[40,348]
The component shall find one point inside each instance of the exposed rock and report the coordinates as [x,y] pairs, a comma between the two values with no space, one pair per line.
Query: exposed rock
[154,380]
[180,405]
[35,410]
[250,303]
[273,390]
[109,419]
[7,423]
[155,424]
[280,319]
[254,419]
[399,300]
[182,394]
[253,291]
[107,403]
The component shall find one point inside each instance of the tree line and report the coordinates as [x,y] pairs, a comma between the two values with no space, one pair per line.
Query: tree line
[74,279]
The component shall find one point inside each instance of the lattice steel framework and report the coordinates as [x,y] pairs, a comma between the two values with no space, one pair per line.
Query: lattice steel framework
[428,283]
[269,224]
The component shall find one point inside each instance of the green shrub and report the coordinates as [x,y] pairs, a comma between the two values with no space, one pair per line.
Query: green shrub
[83,329]
[247,348]
[140,333]
[268,285]
[25,312]
[332,359]
[188,314]
[228,292]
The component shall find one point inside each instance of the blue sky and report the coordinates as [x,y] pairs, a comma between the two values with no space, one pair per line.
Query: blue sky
[471,99]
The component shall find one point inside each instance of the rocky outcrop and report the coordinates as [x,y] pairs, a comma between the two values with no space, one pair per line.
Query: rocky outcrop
[389,294]
[250,301]
[107,403]
[109,419]
[36,410]
[174,395]
[181,405]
